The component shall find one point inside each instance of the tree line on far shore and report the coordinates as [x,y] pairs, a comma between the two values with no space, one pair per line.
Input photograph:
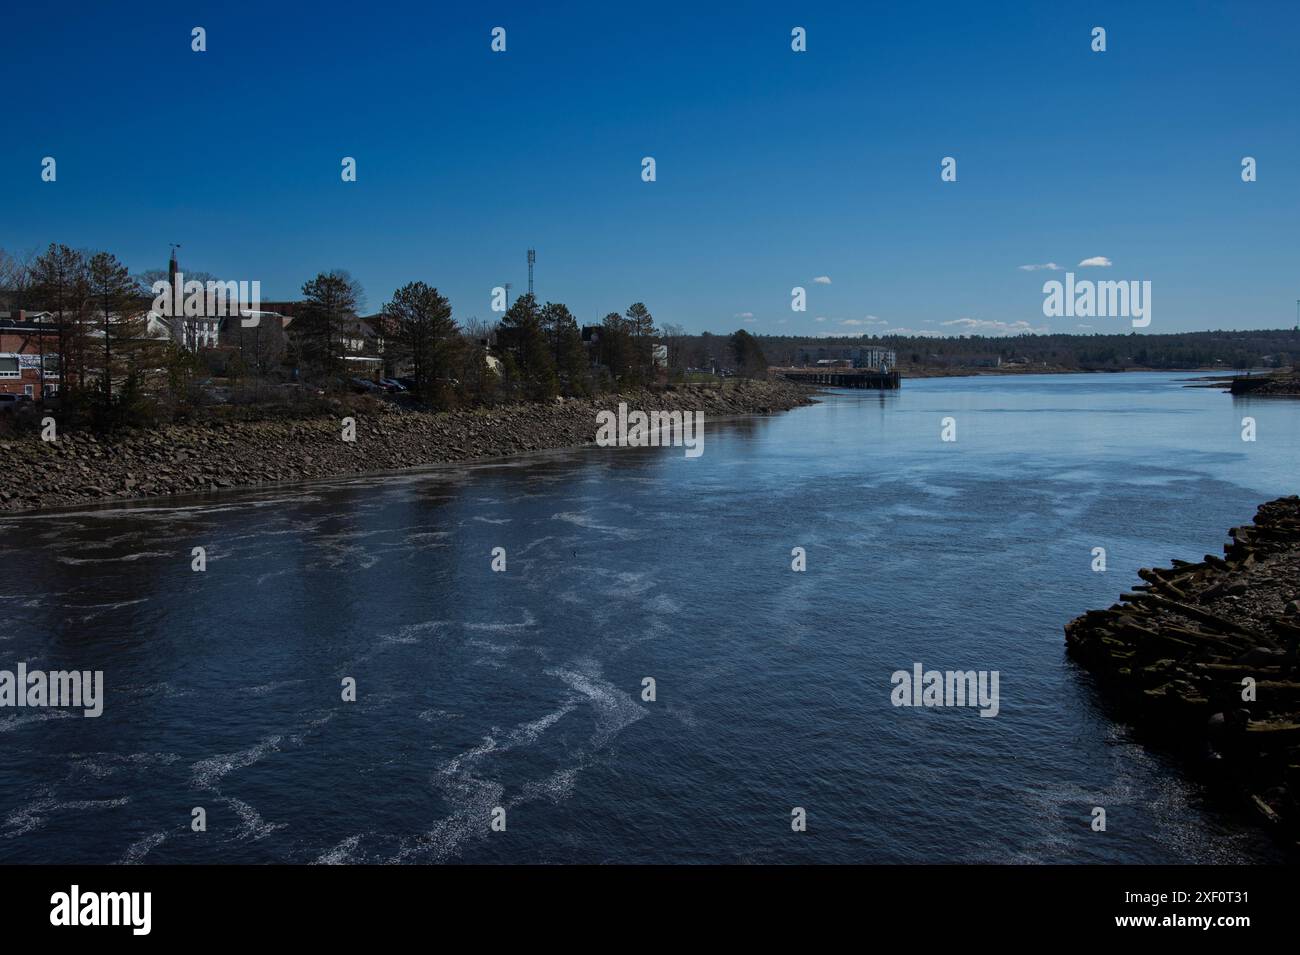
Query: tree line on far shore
[1094,351]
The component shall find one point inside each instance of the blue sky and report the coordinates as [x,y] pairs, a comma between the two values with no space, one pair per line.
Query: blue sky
[773,167]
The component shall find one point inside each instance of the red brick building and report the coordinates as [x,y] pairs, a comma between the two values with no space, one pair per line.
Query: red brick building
[24,342]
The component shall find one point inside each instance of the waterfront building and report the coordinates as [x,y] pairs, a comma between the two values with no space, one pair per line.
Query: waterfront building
[29,363]
[857,356]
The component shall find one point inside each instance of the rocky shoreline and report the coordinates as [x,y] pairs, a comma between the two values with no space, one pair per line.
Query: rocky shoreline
[80,468]
[1266,386]
[1204,655]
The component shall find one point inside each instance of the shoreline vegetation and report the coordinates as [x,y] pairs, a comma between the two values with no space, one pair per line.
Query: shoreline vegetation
[1203,657]
[81,468]
[92,348]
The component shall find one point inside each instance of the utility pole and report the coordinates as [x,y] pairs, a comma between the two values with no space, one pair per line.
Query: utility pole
[532,258]
[507,288]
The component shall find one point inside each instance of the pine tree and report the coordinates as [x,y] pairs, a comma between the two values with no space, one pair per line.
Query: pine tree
[59,285]
[328,300]
[574,366]
[571,363]
[641,328]
[424,333]
[617,351]
[115,295]
[521,338]
[750,360]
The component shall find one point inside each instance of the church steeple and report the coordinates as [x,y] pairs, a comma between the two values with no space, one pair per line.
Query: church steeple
[179,332]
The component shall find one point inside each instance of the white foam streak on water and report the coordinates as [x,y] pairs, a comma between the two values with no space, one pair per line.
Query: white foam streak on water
[462,784]
[10,723]
[36,813]
[103,765]
[589,522]
[528,621]
[252,825]
[142,555]
[206,773]
[342,853]
[136,852]
[615,709]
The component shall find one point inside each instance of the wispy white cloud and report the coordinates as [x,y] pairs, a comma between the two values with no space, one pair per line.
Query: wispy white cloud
[914,332]
[950,329]
[984,326]
[743,315]
[820,318]
[1098,261]
[1050,266]
[822,280]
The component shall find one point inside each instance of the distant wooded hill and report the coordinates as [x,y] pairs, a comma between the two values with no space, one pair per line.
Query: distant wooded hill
[1231,350]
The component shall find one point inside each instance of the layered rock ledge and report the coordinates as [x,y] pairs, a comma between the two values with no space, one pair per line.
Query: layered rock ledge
[1205,655]
[80,468]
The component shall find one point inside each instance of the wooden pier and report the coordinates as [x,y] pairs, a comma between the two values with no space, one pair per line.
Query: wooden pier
[843,377]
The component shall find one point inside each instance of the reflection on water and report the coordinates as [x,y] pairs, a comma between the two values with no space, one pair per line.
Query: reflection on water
[523,689]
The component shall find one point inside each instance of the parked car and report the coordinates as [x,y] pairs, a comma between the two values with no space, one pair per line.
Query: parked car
[392,384]
[364,384]
[9,404]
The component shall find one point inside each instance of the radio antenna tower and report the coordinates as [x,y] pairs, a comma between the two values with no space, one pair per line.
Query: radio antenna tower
[507,288]
[532,258]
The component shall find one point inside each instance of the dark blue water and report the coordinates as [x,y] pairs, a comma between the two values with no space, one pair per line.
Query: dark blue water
[522,689]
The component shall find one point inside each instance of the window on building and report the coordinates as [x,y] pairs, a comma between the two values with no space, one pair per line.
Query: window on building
[9,367]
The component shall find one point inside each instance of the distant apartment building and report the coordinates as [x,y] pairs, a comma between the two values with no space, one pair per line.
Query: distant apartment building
[856,356]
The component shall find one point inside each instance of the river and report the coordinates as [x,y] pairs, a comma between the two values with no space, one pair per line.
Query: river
[523,688]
